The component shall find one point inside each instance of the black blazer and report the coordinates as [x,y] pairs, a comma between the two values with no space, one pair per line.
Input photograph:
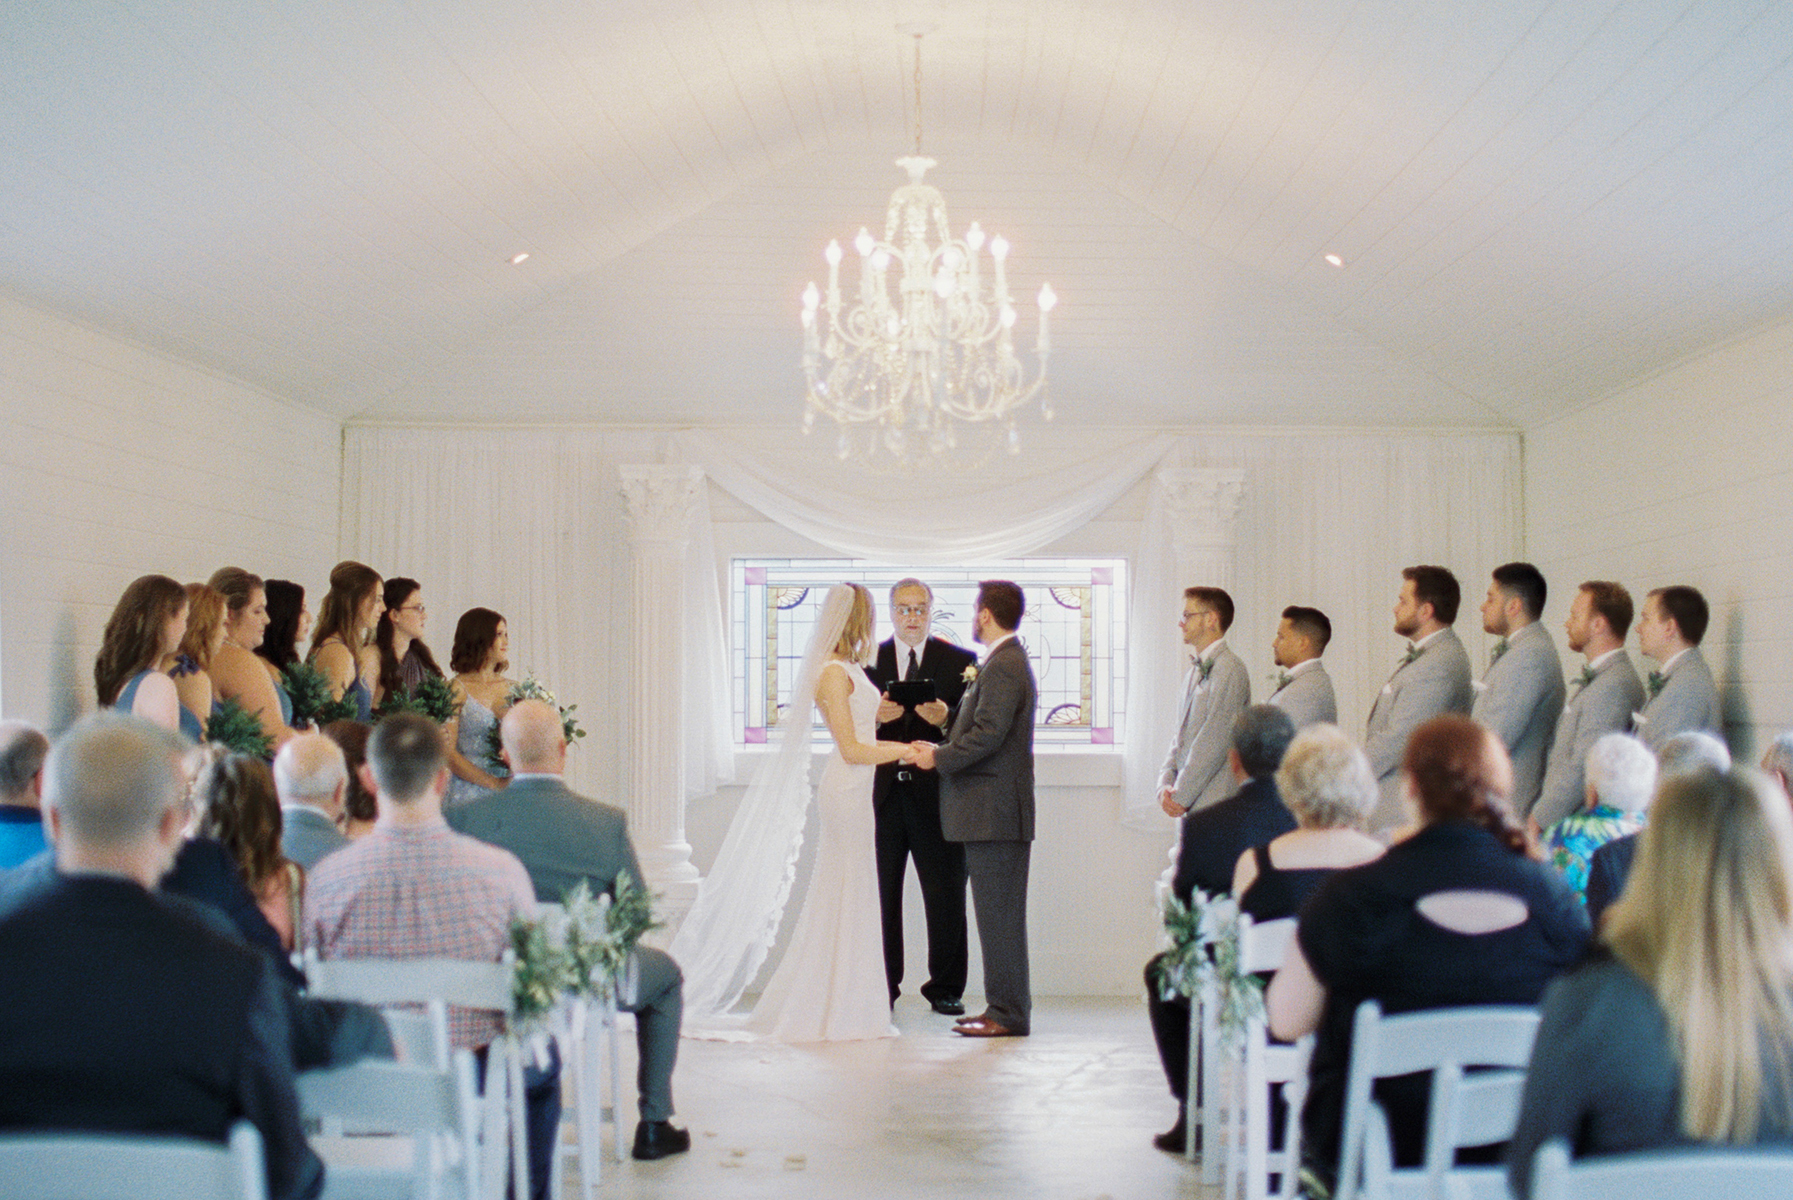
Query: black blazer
[123,1013]
[945,664]
[1213,838]
[1608,870]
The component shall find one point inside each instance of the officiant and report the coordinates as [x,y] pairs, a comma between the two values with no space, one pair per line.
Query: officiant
[920,679]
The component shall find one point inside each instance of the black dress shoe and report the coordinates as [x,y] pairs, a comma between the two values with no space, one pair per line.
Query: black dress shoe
[949,1008]
[658,1139]
[1175,1139]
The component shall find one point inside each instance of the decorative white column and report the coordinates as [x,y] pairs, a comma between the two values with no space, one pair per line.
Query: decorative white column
[1203,506]
[659,501]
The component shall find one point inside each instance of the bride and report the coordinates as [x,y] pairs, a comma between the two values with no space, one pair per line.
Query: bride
[830,984]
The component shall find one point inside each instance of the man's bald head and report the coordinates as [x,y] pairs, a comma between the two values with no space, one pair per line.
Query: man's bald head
[310,769]
[534,739]
[109,781]
[22,751]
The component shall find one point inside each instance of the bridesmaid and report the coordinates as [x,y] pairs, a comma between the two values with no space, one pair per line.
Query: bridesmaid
[190,666]
[288,623]
[237,674]
[481,641]
[346,621]
[404,659]
[146,627]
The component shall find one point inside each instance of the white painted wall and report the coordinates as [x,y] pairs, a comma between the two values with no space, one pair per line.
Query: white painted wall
[120,462]
[1684,478]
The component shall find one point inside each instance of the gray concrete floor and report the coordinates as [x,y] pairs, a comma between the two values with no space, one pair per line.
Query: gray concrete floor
[1069,1112]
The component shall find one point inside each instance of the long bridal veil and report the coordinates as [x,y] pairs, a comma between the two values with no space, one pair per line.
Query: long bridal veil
[725,938]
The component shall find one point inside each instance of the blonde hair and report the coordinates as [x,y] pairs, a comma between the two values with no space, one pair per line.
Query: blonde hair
[205,612]
[855,640]
[1326,781]
[1706,921]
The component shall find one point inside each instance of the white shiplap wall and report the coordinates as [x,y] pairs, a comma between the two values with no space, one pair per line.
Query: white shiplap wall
[120,462]
[1684,478]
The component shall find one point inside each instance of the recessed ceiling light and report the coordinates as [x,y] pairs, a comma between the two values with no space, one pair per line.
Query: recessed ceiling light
[1334,259]
[519,259]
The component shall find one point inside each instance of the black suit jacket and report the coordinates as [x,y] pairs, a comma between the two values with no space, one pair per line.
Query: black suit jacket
[940,661]
[1607,872]
[120,1012]
[1213,838]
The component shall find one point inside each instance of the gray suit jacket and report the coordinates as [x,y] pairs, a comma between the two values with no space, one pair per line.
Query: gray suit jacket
[986,762]
[1688,700]
[1601,707]
[1436,682]
[1308,698]
[560,837]
[306,835]
[1196,764]
[1521,700]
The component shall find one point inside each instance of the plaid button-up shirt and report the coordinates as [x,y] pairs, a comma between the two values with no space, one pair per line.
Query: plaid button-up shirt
[424,892]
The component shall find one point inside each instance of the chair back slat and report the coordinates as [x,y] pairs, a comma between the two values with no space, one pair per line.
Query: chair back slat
[1262,946]
[1661,1175]
[79,1166]
[463,984]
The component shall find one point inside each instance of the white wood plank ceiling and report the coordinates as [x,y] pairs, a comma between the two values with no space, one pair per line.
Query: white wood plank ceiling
[1537,202]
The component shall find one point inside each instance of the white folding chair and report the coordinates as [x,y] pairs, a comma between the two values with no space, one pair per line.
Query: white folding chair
[1470,1110]
[119,1166]
[587,1029]
[1661,1175]
[1252,1069]
[462,984]
[436,1108]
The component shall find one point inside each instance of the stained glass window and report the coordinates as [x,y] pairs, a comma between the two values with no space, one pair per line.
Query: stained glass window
[1074,630]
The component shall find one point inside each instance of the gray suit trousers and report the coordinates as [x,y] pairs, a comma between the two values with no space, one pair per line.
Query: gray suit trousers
[659,1006]
[998,872]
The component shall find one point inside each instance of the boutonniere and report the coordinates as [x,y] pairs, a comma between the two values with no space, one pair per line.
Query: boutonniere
[1413,652]
[969,675]
[1655,683]
[1203,669]
[1281,679]
[1586,677]
[1500,648]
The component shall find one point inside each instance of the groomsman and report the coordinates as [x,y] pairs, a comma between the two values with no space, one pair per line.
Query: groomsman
[906,799]
[1433,678]
[1681,694]
[1600,700]
[1303,688]
[1216,689]
[1521,697]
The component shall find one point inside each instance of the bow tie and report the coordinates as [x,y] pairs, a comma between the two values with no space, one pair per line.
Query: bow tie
[1413,652]
[1500,648]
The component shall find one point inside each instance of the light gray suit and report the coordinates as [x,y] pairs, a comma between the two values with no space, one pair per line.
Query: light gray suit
[986,802]
[1308,698]
[1521,700]
[1688,700]
[306,835]
[1195,768]
[1603,705]
[1436,682]
[562,838]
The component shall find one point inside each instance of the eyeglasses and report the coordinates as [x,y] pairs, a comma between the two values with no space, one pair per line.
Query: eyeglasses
[419,609]
[1200,612]
[912,610]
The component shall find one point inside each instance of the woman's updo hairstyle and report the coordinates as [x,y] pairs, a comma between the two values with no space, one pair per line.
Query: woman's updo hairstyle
[237,585]
[351,583]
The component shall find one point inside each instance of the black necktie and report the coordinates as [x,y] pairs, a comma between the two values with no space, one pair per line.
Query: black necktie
[914,667]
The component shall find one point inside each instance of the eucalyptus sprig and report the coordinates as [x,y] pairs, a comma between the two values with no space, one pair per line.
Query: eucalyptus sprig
[541,974]
[238,730]
[530,688]
[309,690]
[1204,948]
[599,939]
[432,697]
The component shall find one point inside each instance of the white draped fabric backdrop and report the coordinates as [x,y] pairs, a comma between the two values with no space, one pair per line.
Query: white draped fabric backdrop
[530,521]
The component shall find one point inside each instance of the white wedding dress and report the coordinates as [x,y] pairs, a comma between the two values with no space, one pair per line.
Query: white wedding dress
[830,985]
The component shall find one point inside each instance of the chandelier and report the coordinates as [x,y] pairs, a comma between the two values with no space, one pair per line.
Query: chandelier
[926,344]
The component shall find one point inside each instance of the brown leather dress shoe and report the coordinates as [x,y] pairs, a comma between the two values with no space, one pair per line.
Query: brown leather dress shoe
[984,1027]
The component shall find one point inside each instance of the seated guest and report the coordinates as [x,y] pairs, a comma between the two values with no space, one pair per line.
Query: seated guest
[1777,763]
[22,751]
[359,811]
[1210,842]
[1679,1030]
[1461,912]
[413,888]
[1690,750]
[190,664]
[311,777]
[562,838]
[1621,775]
[146,627]
[122,1012]
[238,807]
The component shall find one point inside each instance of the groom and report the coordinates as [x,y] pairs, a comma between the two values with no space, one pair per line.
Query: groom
[986,802]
